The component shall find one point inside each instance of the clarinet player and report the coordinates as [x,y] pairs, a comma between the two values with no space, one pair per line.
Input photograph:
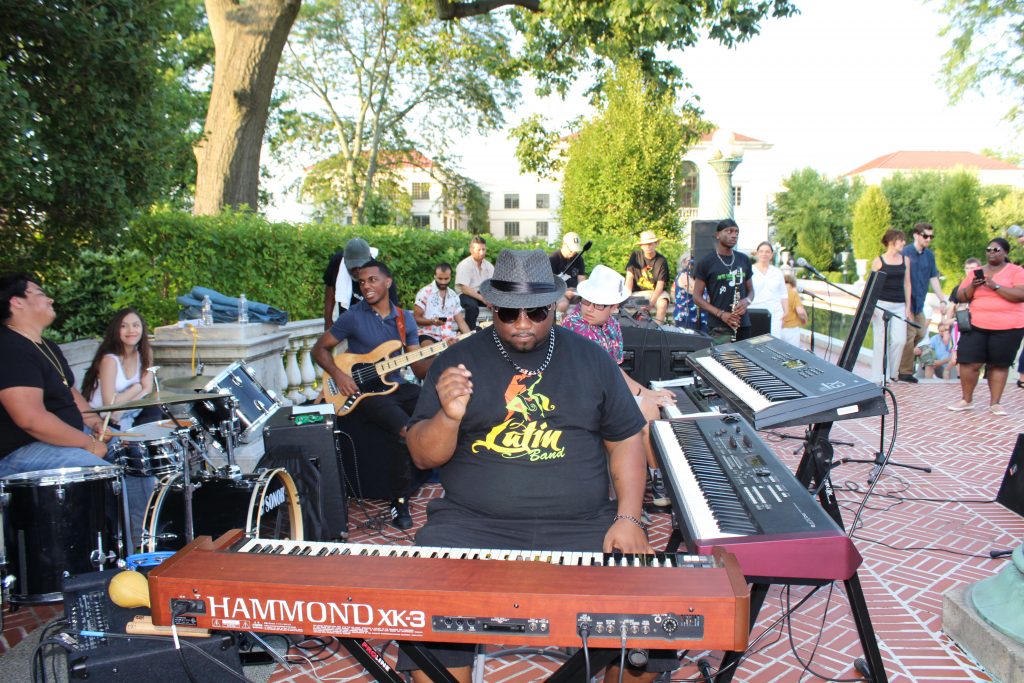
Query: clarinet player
[722,285]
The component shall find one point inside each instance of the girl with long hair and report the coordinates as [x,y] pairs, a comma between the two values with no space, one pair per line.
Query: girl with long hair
[118,371]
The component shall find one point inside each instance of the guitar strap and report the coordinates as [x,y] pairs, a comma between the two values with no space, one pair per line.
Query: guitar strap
[400,322]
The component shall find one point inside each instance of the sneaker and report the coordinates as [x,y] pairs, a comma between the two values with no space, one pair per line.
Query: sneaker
[908,378]
[400,517]
[659,496]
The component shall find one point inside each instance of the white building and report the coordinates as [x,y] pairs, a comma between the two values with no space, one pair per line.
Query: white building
[990,171]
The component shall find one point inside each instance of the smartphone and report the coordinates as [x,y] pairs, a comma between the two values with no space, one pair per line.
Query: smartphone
[442,320]
[979,274]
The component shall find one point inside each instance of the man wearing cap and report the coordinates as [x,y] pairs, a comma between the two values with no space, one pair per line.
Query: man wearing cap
[340,276]
[469,274]
[722,285]
[367,325]
[595,320]
[647,274]
[567,263]
[923,272]
[526,420]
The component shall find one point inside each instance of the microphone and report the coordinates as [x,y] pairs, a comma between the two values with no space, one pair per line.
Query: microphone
[589,243]
[802,262]
[809,293]
[568,265]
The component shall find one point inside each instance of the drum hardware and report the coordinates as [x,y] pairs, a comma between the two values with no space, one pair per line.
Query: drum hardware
[98,559]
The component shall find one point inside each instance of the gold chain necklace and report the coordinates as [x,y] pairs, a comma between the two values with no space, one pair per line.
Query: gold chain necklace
[45,350]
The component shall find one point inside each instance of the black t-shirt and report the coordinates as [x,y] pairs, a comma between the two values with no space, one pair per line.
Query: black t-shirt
[331,278]
[530,447]
[559,262]
[25,365]
[648,273]
[720,276]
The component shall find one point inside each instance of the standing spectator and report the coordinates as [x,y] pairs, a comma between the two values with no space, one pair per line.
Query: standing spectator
[997,326]
[922,273]
[437,310]
[647,274]
[470,272]
[796,316]
[725,275]
[567,262]
[895,299]
[769,288]
[340,293]
[686,313]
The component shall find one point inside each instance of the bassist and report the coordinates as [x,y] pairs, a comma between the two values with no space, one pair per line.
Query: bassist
[365,326]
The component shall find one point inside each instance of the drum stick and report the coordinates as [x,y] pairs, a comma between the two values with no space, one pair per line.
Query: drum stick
[103,429]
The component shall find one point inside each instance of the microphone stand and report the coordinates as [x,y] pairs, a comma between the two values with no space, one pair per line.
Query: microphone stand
[879,461]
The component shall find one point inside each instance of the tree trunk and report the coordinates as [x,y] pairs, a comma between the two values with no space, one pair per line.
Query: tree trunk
[248,39]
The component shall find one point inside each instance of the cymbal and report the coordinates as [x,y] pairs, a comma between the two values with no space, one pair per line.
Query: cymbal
[194,382]
[164,398]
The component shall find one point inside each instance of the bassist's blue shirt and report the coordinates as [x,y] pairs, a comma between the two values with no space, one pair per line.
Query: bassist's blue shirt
[365,330]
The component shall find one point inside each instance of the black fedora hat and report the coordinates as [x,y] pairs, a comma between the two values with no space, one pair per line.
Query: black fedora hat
[522,279]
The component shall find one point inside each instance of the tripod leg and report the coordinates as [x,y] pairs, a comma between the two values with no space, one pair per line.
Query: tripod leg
[859,607]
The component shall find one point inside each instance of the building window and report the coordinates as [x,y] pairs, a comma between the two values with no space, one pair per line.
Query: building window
[543,201]
[542,228]
[737,196]
[689,186]
[512,201]
[420,191]
[419,221]
[511,228]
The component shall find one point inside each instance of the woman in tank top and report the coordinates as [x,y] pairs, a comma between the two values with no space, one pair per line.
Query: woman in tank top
[894,298]
[117,373]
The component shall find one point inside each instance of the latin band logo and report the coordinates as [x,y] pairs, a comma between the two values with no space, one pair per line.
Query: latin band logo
[524,433]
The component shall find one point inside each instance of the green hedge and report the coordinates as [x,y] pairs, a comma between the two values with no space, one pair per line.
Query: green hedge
[164,254]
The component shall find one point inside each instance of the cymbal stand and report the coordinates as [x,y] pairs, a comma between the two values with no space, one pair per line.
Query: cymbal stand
[186,472]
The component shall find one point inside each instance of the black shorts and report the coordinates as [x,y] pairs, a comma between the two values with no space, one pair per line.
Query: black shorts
[995,348]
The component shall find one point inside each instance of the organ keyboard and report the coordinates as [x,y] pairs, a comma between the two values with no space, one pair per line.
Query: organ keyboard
[729,490]
[775,384]
[411,593]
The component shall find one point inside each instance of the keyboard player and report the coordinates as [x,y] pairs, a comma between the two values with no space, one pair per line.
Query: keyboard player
[526,421]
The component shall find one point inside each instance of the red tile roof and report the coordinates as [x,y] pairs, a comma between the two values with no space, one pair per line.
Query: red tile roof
[909,161]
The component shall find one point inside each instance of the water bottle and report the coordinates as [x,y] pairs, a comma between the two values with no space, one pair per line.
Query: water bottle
[243,310]
[207,311]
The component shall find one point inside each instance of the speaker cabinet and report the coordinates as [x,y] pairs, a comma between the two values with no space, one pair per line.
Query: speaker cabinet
[1011,491]
[305,446]
[760,321]
[652,351]
[702,238]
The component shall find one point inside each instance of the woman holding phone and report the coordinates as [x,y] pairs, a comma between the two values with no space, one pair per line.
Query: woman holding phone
[996,294]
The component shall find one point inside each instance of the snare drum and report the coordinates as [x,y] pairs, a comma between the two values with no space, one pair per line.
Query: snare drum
[264,504]
[57,523]
[154,449]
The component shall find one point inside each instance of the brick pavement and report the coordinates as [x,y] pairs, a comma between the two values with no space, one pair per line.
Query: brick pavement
[934,547]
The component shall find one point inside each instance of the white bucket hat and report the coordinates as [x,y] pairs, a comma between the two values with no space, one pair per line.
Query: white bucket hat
[604,286]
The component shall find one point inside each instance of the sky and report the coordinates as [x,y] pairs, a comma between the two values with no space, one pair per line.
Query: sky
[840,84]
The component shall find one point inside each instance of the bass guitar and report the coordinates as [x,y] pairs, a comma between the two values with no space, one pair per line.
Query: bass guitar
[369,371]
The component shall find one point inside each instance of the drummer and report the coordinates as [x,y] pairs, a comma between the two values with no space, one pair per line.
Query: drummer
[41,411]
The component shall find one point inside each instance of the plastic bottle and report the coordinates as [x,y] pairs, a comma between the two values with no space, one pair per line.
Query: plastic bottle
[243,309]
[207,311]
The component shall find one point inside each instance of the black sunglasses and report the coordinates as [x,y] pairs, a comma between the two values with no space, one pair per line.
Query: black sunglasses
[992,249]
[510,315]
[927,235]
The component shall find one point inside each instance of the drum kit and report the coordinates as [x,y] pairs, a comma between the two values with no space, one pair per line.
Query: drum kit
[62,522]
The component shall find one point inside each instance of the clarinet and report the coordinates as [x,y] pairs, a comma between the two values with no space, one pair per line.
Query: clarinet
[736,282]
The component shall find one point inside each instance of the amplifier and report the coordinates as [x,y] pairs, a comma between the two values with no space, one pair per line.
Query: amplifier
[87,606]
[304,445]
[652,351]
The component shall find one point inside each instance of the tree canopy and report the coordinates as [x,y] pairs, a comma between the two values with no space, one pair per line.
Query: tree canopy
[97,118]
[872,216]
[624,165]
[812,217]
[987,47]
[369,83]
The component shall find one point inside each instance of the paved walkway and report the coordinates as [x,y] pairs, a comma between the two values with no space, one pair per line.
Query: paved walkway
[920,535]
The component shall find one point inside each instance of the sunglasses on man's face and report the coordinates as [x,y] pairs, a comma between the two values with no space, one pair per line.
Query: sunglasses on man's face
[510,315]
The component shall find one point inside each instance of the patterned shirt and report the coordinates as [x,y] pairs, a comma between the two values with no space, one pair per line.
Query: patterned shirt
[608,336]
[429,299]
